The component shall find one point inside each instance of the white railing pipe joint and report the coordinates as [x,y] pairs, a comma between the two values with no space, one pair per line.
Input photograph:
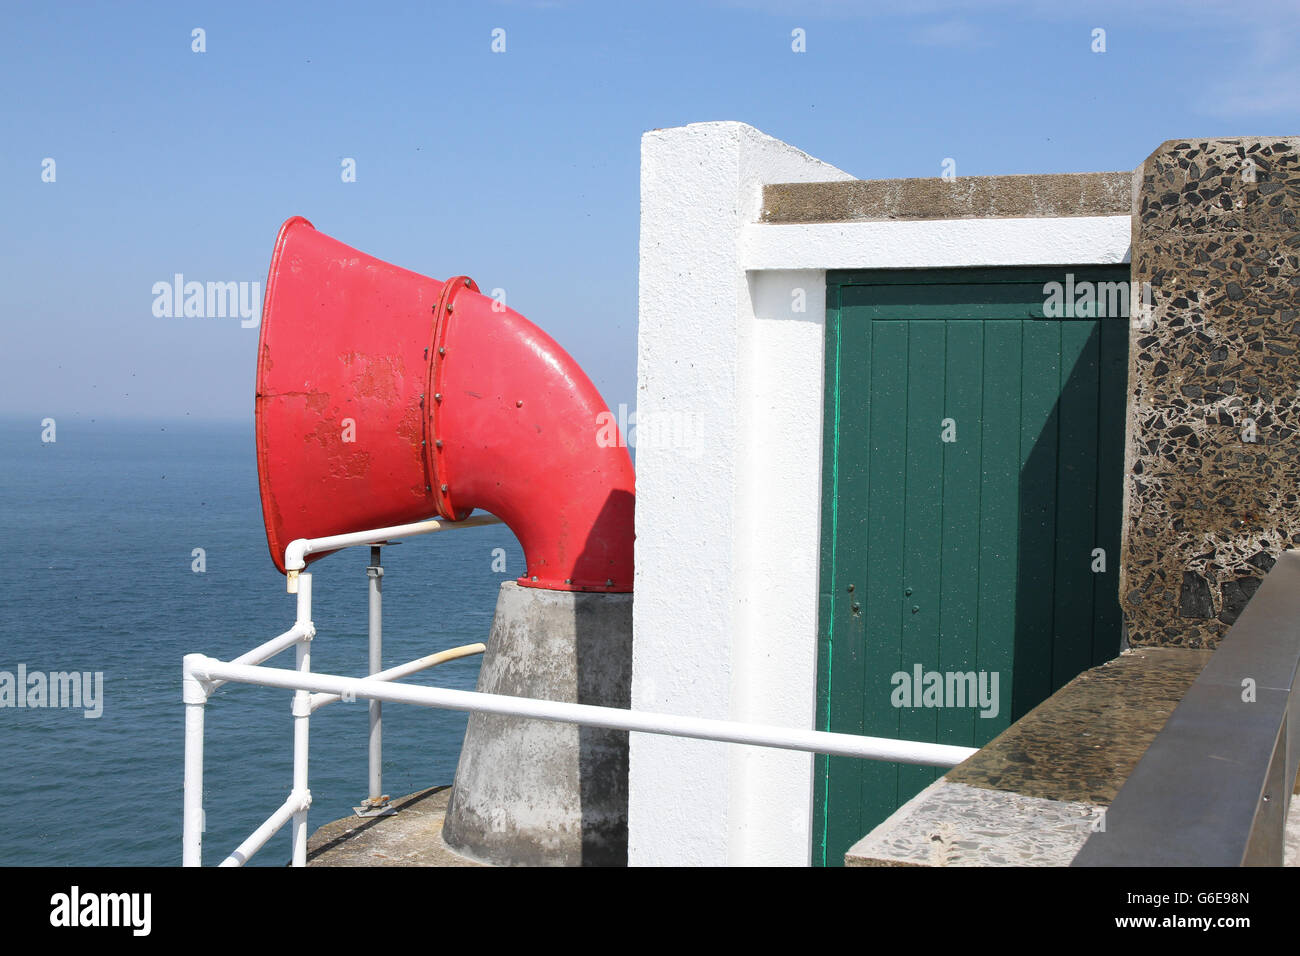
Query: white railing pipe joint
[295,554]
[195,689]
[301,704]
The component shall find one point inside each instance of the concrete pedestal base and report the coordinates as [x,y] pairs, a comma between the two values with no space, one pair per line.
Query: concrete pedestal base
[537,793]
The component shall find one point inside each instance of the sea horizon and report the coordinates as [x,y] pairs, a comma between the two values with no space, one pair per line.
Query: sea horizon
[132,542]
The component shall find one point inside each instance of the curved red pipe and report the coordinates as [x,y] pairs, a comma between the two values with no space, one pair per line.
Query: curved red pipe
[378,387]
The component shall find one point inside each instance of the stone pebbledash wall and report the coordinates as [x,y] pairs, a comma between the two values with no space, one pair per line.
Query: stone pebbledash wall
[1215,233]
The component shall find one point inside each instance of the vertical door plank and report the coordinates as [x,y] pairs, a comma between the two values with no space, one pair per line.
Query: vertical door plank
[1112,414]
[883,608]
[1035,606]
[1000,436]
[847,651]
[1076,499]
[959,559]
[923,538]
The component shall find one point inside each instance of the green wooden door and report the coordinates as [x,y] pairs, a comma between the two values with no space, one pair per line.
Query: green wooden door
[971,511]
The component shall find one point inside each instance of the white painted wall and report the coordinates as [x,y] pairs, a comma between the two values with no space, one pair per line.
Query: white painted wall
[695,648]
[728,511]
[778,560]
[1078,240]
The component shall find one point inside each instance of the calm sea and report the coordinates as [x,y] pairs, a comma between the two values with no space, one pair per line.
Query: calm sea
[97,534]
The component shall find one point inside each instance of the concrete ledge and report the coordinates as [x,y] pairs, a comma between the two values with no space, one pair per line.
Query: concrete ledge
[1229,751]
[966,197]
[952,824]
[1082,743]
[1034,795]
[410,837]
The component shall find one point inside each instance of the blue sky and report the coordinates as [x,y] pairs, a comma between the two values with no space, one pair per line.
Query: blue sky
[519,168]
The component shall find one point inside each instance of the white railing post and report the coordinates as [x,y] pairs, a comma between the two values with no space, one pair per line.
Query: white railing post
[198,690]
[194,693]
[375,798]
[301,719]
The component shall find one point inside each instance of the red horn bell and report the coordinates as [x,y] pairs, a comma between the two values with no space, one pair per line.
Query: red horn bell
[386,397]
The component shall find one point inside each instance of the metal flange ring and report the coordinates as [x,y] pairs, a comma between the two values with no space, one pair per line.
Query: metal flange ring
[435,462]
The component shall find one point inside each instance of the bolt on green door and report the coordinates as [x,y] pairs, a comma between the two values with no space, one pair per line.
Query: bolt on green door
[972,466]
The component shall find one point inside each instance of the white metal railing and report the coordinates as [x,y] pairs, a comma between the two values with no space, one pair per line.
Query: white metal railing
[198,689]
[202,675]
